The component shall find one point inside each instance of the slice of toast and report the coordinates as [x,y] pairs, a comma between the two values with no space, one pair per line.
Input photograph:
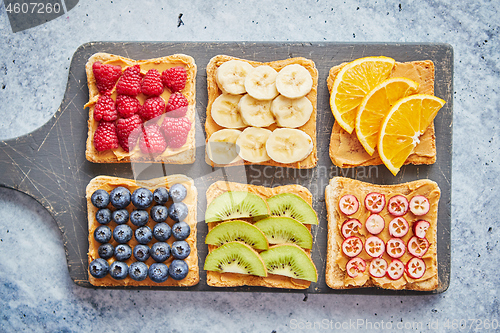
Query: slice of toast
[183,155]
[336,276]
[309,127]
[216,279]
[108,183]
[345,149]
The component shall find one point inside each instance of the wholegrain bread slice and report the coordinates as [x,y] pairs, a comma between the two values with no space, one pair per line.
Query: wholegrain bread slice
[309,127]
[108,183]
[335,275]
[216,279]
[183,155]
[345,149]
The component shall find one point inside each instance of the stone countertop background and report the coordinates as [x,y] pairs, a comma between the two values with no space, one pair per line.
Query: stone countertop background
[36,292]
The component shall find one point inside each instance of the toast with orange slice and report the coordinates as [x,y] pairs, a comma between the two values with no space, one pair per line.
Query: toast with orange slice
[346,150]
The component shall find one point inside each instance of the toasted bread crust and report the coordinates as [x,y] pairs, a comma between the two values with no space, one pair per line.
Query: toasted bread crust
[216,279]
[108,183]
[183,155]
[345,149]
[309,127]
[334,275]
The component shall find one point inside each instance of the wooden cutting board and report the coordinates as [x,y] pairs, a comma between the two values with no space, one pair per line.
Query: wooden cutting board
[50,166]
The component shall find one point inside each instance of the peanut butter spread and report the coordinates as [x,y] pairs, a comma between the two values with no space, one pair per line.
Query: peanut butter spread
[431,192]
[345,149]
[184,154]
[217,279]
[109,183]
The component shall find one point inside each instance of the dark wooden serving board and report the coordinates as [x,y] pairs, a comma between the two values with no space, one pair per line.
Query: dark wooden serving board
[50,166]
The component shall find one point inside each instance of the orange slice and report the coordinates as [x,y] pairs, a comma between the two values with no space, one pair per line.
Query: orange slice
[375,106]
[352,83]
[402,127]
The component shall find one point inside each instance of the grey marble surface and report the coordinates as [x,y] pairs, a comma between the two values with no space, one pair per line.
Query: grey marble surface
[36,293]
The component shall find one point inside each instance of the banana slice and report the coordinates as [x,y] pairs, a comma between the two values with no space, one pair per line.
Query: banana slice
[230,76]
[288,145]
[291,113]
[255,112]
[294,81]
[252,144]
[260,83]
[225,111]
[222,148]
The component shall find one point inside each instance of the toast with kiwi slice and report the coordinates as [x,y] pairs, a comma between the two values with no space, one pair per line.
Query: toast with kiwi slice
[227,269]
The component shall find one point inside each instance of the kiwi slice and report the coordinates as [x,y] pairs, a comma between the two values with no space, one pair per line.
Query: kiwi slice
[290,260]
[279,230]
[235,257]
[236,205]
[291,205]
[237,231]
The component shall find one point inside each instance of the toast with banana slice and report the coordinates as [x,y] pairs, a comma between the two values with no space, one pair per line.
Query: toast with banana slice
[382,235]
[261,113]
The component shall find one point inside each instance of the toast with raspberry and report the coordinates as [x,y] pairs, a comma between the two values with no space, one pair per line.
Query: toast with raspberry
[133,95]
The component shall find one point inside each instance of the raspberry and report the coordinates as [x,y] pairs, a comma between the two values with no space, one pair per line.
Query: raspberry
[105,136]
[151,84]
[175,131]
[124,128]
[151,141]
[127,106]
[153,107]
[174,78]
[177,105]
[105,76]
[105,109]
[130,82]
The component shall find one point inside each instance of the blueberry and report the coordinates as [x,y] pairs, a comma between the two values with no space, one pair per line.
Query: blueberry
[120,216]
[178,192]
[143,235]
[160,195]
[102,234]
[139,217]
[178,269]
[138,271]
[99,268]
[159,213]
[160,251]
[103,216]
[122,233]
[181,230]
[162,231]
[178,211]
[141,252]
[142,198]
[123,252]
[100,199]
[106,251]
[118,270]
[158,272]
[120,197]
[180,249]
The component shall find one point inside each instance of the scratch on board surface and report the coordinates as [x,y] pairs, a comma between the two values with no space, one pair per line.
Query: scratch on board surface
[54,124]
